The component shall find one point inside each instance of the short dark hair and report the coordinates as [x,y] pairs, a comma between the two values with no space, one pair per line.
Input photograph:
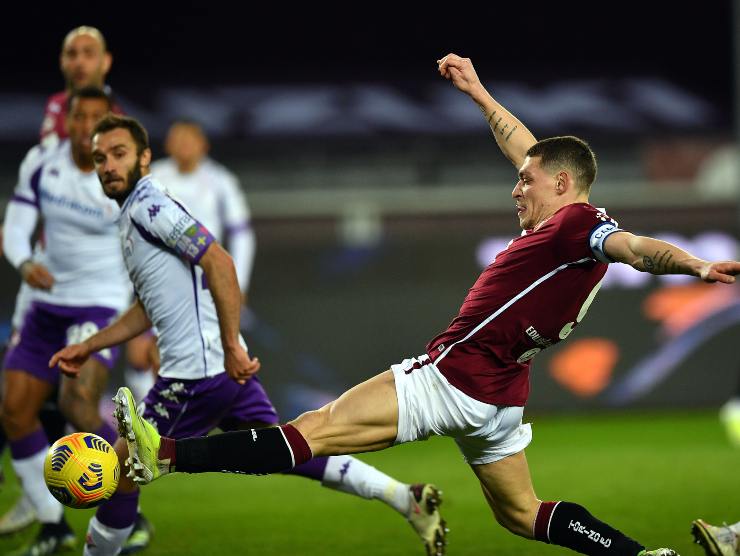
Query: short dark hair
[88,92]
[191,123]
[137,131]
[570,153]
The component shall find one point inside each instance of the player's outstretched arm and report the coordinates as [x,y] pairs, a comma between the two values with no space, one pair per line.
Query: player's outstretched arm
[660,257]
[222,282]
[512,137]
[129,325]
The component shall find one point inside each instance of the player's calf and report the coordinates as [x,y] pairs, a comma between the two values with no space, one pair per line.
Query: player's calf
[572,526]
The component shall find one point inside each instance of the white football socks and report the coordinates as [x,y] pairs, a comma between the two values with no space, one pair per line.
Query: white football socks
[30,471]
[353,476]
[102,540]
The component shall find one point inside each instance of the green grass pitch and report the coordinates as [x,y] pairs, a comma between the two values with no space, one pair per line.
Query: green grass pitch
[648,474]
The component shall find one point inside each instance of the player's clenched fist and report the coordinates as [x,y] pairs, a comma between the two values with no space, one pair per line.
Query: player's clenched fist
[36,275]
[239,366]
[460,71]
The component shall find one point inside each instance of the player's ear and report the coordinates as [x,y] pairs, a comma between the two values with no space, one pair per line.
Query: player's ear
[562,182]
[146,158]
[107,62]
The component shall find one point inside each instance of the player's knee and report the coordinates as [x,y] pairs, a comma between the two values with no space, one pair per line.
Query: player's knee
[77,404]
[16,423]
[517,519]
[311,421]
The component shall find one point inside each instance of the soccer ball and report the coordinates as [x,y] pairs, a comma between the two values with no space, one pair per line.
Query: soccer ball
[81,470]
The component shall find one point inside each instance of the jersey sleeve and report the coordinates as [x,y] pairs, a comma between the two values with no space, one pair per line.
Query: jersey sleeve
[52,126]
[233,203]
[29,176]
[238,232]
[162,220]
[22,211]
[583,232]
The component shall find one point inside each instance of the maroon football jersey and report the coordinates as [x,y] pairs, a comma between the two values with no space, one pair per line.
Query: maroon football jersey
[56,112]
[532,296]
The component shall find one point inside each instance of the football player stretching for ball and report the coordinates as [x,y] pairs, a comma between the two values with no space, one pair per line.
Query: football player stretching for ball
[187,287]
[473,380]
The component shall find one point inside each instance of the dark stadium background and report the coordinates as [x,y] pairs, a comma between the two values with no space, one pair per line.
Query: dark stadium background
[331,307]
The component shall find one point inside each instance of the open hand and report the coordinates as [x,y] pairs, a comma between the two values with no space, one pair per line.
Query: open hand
[724,271]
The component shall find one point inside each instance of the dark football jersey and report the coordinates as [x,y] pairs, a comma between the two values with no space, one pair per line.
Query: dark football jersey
[532,296]
[56,112]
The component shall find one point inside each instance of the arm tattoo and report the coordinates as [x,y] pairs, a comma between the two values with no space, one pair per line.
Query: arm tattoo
[513,129]
[491,117]
[661,263]
[496,124]
[504,129]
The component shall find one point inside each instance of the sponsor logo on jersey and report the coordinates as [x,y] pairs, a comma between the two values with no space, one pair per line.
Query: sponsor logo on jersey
[154,211]
[538,338]
[179,228]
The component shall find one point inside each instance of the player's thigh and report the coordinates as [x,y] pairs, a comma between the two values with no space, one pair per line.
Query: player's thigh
[507,486]
[364,418]
[87,387]
[23,396]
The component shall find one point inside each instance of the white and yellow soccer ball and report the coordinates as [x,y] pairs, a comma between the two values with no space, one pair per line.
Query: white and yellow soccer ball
[81,470]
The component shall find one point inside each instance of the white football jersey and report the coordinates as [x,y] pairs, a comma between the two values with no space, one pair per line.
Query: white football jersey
[162,244]
[80,235]
[211,193]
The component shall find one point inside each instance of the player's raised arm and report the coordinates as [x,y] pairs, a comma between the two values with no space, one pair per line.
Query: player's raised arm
[660,257]
[512,137]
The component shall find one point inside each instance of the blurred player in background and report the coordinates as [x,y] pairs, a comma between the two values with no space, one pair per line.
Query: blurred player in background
[84,61]
[188,289]
[715,540]
[79,285]
[211,192]
[473,381]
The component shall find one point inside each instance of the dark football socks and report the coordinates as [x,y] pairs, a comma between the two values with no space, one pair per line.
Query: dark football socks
[253,451]
[572,526]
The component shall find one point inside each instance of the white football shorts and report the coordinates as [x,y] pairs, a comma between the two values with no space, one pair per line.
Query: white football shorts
[428,404]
